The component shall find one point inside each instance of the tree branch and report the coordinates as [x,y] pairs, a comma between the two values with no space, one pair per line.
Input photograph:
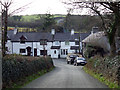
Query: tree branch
[19,9]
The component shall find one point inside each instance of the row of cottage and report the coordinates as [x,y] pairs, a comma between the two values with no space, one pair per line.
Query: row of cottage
[56,45]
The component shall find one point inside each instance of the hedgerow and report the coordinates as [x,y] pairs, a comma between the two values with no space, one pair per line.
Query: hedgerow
[108,67]
[16,68]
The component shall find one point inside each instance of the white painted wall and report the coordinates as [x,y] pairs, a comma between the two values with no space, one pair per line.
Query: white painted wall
[17,46]
[9,45]
[40,47]
[53,55]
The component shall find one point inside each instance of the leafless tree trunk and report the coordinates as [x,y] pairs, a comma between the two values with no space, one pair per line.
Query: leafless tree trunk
[4,24]
[4,20]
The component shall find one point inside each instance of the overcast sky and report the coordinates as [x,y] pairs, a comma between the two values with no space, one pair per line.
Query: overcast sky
[40,7]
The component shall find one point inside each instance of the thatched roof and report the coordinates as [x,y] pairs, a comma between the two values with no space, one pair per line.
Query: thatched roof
[98,39]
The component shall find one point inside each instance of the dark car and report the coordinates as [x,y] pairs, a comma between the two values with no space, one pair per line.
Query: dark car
[71,58]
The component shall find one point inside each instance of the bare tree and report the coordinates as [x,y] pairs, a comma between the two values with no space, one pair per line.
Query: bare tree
[68,19]
[109,13]
[4,24]
[4,14]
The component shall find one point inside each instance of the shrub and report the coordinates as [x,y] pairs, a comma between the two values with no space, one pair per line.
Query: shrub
[16,67]
[109,67]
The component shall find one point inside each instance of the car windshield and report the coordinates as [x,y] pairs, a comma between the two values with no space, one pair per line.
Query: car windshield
[81,58]
[71,56]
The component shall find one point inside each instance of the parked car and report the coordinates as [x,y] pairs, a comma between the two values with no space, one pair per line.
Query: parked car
[80,61]
[70,58]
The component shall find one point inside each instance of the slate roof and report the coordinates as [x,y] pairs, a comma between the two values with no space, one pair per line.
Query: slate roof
[10,34]
[32,36]
[66,37]
[36,36]
[84,35]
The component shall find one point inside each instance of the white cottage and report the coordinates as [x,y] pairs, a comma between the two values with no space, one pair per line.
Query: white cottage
[56,45]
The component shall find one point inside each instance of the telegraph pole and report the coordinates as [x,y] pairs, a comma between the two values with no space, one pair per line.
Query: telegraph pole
[1,50]
[79,43]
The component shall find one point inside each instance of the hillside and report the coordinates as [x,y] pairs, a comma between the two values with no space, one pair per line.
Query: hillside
[29,18]
[79,23]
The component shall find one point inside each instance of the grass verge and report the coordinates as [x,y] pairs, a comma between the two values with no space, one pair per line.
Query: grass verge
[28,79]
[102,79]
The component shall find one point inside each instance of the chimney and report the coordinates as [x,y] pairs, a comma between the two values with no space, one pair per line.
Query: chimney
[15,30]
[53,31]
[94,30]
[72,32]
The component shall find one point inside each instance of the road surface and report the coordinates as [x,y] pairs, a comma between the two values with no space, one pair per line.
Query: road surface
[65,76]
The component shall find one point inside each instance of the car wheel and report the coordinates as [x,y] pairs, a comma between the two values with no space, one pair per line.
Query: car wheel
[67,62]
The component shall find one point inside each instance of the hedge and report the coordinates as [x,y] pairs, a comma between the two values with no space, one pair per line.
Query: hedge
[108,67]
[15,67]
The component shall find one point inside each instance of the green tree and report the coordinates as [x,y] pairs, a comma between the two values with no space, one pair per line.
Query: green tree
[67,23]
[48,21]
[17,18]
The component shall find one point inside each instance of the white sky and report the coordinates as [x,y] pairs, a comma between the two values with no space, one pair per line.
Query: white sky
[40,7]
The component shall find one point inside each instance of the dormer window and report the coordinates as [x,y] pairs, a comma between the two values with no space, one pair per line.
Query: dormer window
[76,42]
[57,43]
[23,39]
[43,42]
[66,42]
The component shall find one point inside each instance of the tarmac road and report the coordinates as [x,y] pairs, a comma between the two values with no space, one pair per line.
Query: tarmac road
[66,76]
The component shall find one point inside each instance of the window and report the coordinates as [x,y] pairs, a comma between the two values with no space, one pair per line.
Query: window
[43,42]
[76,51]
[22,51]
[76,42]
[43,52]
[66,42]
[64,51]
[61,52]
[55,52]
[56,42]
[22,41]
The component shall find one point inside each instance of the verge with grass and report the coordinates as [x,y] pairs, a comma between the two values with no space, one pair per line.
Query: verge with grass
[106,70]
[101,78]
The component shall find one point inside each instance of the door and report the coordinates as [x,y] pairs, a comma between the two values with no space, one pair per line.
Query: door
[35,51]
[55,54]
[28,51]
[43,52]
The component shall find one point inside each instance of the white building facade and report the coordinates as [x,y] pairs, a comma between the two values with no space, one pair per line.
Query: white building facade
[56,45]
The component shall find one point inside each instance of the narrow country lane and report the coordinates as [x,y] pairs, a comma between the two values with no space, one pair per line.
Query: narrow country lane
[65,76]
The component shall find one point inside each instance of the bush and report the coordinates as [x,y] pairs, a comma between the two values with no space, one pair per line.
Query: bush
[109,67]
[16,67]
